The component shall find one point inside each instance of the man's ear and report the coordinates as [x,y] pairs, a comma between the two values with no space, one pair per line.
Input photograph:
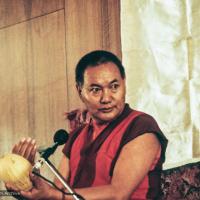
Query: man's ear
[79,89]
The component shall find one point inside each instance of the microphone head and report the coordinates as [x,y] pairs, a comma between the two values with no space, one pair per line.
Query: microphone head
[60,137]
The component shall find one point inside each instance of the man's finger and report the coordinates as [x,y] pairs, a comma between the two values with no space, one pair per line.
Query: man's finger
[29,148]
[23,146]
[32,154]
[11,187]
[27,194]
[17,147]
[35,179]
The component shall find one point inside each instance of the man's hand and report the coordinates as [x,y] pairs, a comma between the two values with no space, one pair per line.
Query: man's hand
[26,148]
[41,190]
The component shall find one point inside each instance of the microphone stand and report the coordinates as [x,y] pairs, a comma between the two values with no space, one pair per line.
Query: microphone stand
[44,155]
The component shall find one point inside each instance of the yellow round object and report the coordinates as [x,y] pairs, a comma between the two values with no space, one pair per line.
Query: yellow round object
[15,169]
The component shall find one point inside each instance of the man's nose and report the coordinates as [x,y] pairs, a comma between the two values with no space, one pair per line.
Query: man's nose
[106,96]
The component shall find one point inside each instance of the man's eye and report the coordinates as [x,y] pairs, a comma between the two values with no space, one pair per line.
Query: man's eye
[114,86]
[95,90]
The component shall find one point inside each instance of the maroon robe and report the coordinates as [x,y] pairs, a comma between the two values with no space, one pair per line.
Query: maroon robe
[92,161]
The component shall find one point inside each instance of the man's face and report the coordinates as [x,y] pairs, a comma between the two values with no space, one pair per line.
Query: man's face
[103,92]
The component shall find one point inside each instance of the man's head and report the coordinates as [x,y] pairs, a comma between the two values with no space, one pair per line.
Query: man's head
[100,80]
[96,58]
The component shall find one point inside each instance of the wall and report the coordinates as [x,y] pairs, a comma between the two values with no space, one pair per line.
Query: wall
[40,43]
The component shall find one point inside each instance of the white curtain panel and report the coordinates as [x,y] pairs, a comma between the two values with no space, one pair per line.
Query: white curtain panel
[161,55]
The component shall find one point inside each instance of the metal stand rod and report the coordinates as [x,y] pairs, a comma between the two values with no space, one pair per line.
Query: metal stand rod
[60,177]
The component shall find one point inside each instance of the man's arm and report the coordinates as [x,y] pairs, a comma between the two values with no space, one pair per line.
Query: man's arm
[132,166]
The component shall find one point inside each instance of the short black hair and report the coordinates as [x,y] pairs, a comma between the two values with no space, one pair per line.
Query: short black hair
[96,58]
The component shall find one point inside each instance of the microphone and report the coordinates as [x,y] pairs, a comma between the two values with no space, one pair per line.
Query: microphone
[60,138]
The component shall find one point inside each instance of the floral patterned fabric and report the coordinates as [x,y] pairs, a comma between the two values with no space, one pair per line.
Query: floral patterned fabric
[182,182]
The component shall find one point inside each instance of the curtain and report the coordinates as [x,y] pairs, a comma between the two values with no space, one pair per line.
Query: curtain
[161,55]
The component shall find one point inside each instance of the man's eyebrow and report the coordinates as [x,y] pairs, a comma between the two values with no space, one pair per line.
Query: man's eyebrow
[97,85]
[94,85]
[115,80]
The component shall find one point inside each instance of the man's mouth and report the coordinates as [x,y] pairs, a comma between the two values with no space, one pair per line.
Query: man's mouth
[106,110]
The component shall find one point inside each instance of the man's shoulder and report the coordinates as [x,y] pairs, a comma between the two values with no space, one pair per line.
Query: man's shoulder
[143,116]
